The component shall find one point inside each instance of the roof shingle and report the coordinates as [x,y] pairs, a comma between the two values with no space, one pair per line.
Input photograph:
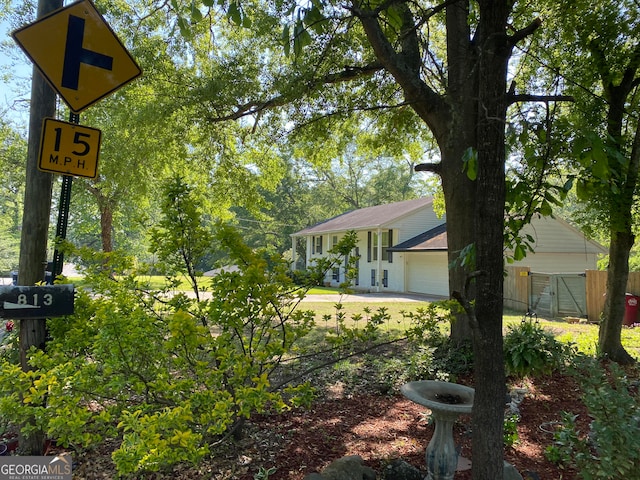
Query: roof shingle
[369,217]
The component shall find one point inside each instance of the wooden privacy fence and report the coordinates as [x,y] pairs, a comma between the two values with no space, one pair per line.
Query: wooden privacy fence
[597,287]
[516,289]
[521,292]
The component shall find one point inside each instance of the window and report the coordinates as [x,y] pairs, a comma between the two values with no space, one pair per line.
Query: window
[316,245]
[385,278]
[336,274]
[385,239]
[373,277]
[334,240]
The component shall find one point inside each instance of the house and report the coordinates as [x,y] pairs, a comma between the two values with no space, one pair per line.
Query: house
[402,247]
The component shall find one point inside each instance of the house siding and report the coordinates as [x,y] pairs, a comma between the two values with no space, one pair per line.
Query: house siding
[559,262]
[559,248]
[415,224]
[557,236]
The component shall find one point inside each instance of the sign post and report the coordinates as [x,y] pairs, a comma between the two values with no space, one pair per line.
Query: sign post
[84,61]
[81,58]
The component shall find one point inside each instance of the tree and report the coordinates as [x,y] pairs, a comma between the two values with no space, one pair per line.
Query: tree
[604,55]
[13,150]
[395,56]
[181,238]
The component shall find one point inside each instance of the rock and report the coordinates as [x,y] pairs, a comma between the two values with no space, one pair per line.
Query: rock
[345,468]
[510,472]
[401,470]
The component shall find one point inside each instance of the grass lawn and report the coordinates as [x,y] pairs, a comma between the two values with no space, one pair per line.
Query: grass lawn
[585,336]
[158,281]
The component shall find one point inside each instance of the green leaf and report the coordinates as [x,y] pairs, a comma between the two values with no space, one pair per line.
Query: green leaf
[234,13]
[286,40]
[315,20]
[196,14]
[582,189]
[470,163]
[600,167]
[301,38]
[393,18]
[519,252]
[185,27]
[545,208]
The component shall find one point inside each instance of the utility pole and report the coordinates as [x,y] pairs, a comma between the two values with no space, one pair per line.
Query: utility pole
[35,220]
[60,62]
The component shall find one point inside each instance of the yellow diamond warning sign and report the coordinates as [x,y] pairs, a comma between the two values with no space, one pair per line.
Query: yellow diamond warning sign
[69,149]
[78,53]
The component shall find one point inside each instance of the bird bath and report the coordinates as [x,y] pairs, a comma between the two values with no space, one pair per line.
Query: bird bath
[446,401]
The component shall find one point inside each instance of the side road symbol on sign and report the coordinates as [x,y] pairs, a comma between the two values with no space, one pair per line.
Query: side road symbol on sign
[78,53]
[75,55]
[69,148]
[45,301]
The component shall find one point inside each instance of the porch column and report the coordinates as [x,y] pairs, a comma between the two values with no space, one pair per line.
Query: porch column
[379,261]
[294,253]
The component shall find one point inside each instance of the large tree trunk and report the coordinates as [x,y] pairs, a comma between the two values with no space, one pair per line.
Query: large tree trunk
[106,226]
[490,386]
[622,240]
[460,210]
[472,115]
[609,338]
[620,221]
[459,190]
[105,208]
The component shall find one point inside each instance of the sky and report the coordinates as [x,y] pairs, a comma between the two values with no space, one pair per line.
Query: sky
[15,80]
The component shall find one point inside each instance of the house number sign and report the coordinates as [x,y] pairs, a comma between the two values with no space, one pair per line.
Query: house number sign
[46,301]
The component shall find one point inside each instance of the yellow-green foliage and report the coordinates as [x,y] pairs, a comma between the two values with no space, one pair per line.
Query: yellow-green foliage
[167,374]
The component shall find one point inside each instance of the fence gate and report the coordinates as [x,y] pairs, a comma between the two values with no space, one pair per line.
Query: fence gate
[558,294]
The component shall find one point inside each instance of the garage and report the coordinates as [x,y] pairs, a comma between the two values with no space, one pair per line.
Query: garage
[427,272]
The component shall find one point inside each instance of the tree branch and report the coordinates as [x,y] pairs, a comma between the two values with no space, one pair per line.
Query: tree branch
[524,32]
[333,361]
[426,102]
[513,98]
[255,107]
[463,299]
[429,167]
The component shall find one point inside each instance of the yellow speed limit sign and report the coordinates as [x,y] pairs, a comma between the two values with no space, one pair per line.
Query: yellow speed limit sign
[69,149]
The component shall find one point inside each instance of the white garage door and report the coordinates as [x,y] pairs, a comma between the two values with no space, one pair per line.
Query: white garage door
[427,273]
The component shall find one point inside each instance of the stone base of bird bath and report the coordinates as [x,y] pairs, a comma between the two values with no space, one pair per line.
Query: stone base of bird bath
[446,401]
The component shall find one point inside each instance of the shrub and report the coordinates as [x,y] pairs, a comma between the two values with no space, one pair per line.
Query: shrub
[610,449]
[170,375]
[510,430]
[529,349]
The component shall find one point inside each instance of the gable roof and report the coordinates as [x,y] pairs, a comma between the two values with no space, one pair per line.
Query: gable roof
[436,239]
[431,240]
[368,217]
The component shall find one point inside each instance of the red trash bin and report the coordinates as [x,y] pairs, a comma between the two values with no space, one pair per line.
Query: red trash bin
[631,303]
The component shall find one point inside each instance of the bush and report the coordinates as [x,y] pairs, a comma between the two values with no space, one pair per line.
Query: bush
[169,374]
[529,349]
[610,449]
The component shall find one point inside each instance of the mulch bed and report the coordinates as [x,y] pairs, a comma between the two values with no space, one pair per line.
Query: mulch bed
[383,428]
[378,427]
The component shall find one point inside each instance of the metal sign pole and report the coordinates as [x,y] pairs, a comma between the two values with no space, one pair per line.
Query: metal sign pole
[63,215]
